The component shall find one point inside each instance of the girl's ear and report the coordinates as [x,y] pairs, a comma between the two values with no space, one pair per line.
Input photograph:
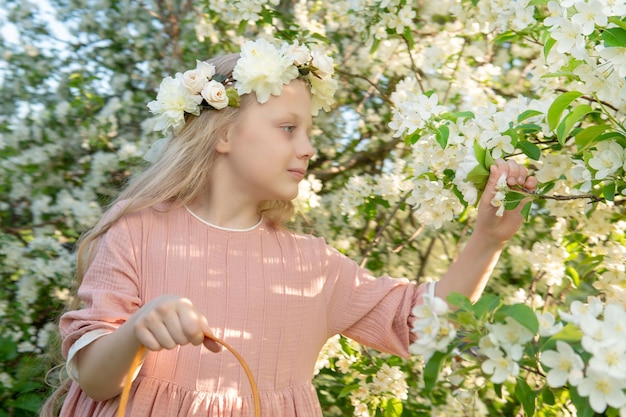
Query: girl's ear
[224,142]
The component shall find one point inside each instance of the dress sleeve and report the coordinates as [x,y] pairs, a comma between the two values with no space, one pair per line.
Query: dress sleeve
[109,292]
[375,312]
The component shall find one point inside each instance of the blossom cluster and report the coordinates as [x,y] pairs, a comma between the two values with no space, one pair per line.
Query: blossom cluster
[583,350]
[601,376]
[435,332]
[263,68]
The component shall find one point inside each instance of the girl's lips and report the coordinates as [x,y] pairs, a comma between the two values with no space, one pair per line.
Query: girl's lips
[297,173]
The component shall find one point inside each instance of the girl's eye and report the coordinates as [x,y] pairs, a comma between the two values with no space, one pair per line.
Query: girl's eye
[288,128]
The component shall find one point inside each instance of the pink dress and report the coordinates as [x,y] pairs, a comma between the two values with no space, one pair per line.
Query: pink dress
[273,295]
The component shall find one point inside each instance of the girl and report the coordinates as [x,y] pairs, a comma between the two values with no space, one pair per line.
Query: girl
[194,246]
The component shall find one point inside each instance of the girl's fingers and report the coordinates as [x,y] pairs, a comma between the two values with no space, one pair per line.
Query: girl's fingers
[211,344]
[155,336]
[171,321]
[530,184]
[174,329]
[192,323]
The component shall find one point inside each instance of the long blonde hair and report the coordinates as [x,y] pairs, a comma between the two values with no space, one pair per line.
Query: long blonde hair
[178,176]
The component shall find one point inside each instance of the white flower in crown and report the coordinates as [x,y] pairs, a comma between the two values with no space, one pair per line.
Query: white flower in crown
[171,104]
[263,69]
[196,79]
[323,92]
[299,53]
[215,94]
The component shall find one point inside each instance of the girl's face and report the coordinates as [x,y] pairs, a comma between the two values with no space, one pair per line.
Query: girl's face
[267,152]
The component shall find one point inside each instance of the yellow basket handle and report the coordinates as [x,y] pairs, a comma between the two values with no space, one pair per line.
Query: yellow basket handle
[140,353]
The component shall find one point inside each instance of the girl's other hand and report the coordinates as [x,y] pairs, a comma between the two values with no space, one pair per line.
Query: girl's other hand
[169,321]
[501,229]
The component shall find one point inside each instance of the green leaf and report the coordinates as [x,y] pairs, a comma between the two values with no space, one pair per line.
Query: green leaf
[233,97]
[393,408]
[457,115]
[570,334]
[486,304]
[479,153]
[550,42]
[570,120]
[347,390]
[513,199]
[479,176]
[574,275]
[526,210]
[488,159]
[441,135]
[242,27]
[530,149]
[432,370]
[614,37]
[609,191]
[528,114]
[521,313]
[581,403]
[526,396]
[586,136]
[559,105]
[617,21]
[459,300]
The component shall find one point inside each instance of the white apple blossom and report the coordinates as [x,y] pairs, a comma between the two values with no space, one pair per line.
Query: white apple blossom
[610,358]
[589,14]
[603,390]
[548,259]
[547,325]
[511,337]
[498,199]
[566,366]
[583,312]
[616,56]
[434,332]
[569,38]
[500,366]
[607,159]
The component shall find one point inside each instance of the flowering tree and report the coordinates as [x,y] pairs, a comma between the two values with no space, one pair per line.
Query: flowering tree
[430,93]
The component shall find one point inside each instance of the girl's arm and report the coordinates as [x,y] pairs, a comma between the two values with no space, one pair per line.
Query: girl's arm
[469,274]
[163,323]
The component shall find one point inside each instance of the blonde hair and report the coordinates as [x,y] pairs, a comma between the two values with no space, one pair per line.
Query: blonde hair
[178,176]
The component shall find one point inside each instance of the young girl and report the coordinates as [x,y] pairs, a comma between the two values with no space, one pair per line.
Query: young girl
[195,246]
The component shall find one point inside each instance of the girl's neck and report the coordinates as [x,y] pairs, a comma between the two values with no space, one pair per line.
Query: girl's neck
[225,215]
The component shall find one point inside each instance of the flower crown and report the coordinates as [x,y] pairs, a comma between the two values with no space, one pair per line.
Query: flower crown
[262,67]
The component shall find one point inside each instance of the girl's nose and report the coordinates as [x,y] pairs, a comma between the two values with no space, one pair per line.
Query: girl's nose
[305,148]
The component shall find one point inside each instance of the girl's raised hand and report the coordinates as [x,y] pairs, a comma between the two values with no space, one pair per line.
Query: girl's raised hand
[169,321]
[490,226]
